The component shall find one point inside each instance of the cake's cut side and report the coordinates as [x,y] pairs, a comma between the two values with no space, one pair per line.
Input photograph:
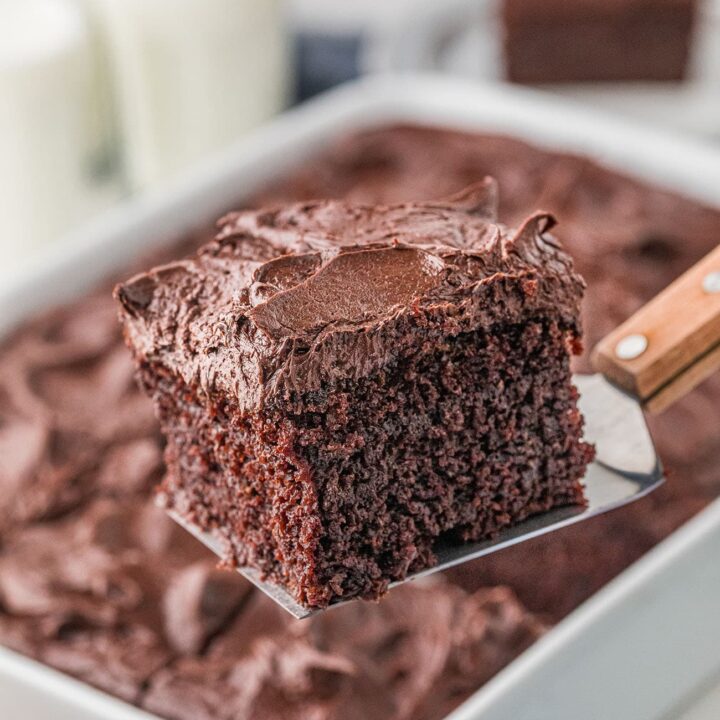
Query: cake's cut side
[344,387]
[463,441]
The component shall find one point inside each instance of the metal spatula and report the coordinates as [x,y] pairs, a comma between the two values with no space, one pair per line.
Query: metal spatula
[650,361]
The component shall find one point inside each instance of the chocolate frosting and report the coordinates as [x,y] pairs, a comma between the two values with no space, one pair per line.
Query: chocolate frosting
[77,438]
[290,298]
[71,416]
[357,661]
[197,602]
[463,640]
[112,592]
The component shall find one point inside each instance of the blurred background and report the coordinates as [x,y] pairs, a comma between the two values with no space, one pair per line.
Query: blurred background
[101,99]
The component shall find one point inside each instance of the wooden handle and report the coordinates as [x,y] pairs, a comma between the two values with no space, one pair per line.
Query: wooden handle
[671,344]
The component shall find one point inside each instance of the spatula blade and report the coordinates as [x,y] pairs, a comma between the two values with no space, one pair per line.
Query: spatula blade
[626,468]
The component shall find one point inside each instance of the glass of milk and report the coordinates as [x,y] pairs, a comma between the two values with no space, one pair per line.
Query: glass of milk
[190,76]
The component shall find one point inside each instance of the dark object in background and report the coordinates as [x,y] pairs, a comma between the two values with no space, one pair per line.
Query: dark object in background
[323,60]
[552,41]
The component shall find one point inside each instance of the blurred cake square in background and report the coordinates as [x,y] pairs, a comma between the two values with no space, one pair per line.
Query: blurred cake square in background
[549,41]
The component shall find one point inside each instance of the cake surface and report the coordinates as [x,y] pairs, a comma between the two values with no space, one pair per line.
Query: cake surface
[556,41]
[343,386]
[66,384]
[360,661]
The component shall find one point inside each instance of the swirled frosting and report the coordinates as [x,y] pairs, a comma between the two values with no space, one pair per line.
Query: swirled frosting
[292,297]
[73,426]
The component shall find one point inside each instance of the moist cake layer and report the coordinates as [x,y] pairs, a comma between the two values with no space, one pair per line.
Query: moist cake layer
[381,473]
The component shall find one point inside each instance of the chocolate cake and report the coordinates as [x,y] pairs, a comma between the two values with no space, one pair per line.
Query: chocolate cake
[553,41]
[343,386]
[359,661]
[144,615]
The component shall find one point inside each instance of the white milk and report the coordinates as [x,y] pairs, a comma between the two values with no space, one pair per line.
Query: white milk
[53,148]
[190,76]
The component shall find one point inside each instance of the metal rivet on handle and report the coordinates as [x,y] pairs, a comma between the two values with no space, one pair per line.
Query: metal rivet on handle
[631,347]
[711,282]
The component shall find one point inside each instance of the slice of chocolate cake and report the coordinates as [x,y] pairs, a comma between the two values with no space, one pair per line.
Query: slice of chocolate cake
[343,386]
[557,41]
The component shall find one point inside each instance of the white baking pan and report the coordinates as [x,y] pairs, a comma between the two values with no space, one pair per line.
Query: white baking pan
[464,37]
[636,651]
